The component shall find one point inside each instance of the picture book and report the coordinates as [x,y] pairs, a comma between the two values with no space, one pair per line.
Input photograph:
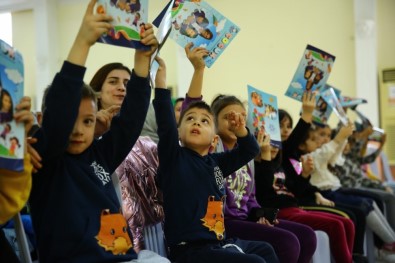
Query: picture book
[332,100]
[198,22]
[12,135]
[322,110]
[346,101]
[361,122]
[312,72]
[377,135]
[263,115]
[129,18]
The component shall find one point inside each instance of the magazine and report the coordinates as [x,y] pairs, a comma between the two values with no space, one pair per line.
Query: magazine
[12,135]
[129,18]
[323,111]
[346,101]
[330,97]
[263,115]
[312,72]
[198,22]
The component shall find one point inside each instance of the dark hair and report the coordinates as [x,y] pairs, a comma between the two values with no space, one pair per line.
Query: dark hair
[284,114]
[101,75]
[196,105]
[86,93]
[305,137]
[16,139]
[178,100]
[222,101]
[208,31]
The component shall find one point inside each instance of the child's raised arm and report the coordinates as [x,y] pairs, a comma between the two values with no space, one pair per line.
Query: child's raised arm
[196,56]
[92,27]
[308,106]
[142,58]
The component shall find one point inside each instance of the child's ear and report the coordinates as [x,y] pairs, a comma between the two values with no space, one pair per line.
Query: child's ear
[214,142]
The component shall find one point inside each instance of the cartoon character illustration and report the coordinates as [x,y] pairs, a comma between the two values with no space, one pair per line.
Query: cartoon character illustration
[6,106]
[270,112]
[14,145]
[6,130]
[137,18]
[321,107]
[256,99]
[134,6]
[214,217]
[194,25]
[113,234]
[312,74]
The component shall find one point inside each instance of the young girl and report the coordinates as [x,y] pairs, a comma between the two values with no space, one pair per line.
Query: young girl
[271,190]
[292,242]
[330,185]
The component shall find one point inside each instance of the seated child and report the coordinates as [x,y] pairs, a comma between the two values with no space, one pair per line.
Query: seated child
[192,181]
[75,210]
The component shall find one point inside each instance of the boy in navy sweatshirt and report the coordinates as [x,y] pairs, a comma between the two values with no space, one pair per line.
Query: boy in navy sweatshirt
[75,210]
[191,179]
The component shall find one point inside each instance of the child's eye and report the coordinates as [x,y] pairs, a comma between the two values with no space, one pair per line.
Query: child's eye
[206,121]
[190,118]
[89,121]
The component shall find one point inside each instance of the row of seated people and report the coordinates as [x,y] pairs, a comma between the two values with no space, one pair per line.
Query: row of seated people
[157,186]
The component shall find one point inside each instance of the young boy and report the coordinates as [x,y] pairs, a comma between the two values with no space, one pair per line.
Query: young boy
[192,182]
[75,210]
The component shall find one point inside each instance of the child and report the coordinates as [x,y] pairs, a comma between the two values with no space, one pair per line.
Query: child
[74,188]
[243,218]
[192,179]
[6,106]
[272,190]
[330,186]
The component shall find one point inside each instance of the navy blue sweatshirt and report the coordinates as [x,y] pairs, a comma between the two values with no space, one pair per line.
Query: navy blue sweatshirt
[192,185]
[74,206]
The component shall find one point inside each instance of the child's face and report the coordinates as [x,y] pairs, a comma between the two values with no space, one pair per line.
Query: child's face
[177,110]
[285,128]
[256,99]
[197,129]
[324,135]
[84,127]
[311,144]
[113,90]
[190,32]
[6,103]
[223,124]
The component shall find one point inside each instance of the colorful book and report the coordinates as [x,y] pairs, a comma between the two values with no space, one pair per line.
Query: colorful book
[129,18]
[349,102]
[263,115]
[12,135]
[198,22]
[323,110]
[377,135]
[329,95]
[312,72]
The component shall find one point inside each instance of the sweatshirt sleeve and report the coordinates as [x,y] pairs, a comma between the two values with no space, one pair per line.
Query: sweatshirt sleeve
[61,110]
[14,190]
[127,125]
[294,139]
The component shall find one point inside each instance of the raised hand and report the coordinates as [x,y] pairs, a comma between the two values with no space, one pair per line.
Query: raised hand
[103,119]
[307,165]
[237,122]
[160,79]
[196,56]
[308,106]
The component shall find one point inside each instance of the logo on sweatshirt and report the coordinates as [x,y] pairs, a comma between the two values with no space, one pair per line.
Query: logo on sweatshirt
[219,178]
[101,173]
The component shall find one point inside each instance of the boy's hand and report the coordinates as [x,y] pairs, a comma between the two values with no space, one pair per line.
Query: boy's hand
[308,106]
[196,56]
[103,119]
[237,123]
[23,113]
[160,79]
[307,165]
[92,27]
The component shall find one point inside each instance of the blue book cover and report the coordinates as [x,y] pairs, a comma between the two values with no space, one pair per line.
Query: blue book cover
[329,95]
[347,101]
[263,115]
[312,72]
[323,110]
[198,22]
[12,135]
[129,18]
